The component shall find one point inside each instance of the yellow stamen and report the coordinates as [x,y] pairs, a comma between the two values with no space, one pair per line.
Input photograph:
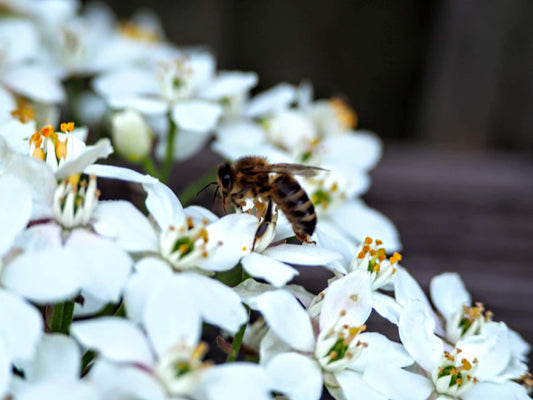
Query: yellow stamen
[61,149]
[344,113]
[67,127]
[38,153]
[368,240]
[74,180]
[24,112]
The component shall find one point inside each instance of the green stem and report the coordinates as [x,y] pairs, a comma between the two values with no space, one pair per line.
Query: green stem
[149,166]
[190,192]
[169,153]
[237,342]
[62,317]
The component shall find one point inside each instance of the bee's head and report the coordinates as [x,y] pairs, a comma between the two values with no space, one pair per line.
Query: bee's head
[225,178]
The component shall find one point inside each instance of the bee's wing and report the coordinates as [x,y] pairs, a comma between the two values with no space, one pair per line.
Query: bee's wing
[291,169]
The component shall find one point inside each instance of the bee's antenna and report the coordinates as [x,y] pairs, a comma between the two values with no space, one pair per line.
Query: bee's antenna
[205,187]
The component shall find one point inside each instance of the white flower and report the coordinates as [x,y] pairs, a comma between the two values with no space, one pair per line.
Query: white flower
[175,365]
[472,367]
[335,352]
[54,372]
[22,328]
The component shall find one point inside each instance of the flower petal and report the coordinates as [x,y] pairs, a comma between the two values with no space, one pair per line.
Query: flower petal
[302,254]
[359,149]
[360,221]
[350,295]
[15,210]
[218,303]
[35,82]
[171,318]
[151,273]
[449,294]
[268,268]
[116,339]
[296,376]
[286,317]
[115,381]
[227,84]
[196,116]
[236,381]
[396,383]
[354,387]
[105,265]
[100,149]
[496,391]
[163,205]
[380,350]
[329,237]
[57,357]
[121,222]
[276,98]
[5,370]
[416,327]
[114,172]
[387,307]
[22,326]
[46,276]
[230,238]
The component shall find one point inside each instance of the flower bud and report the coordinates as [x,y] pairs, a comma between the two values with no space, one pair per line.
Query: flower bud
[132,137]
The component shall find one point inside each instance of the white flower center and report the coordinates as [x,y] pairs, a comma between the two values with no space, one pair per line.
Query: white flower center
[179,369]
[75,200]
[467,321]
[185,246]
[455,375]
[175,79]
[370,256]
[338,346]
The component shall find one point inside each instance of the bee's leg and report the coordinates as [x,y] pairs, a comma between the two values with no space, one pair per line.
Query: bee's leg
[303,237]
[263,226]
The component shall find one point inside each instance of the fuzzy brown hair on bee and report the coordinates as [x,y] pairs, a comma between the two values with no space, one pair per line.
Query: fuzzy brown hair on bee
[255,178]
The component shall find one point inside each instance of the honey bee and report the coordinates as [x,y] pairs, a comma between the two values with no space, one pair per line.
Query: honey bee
[254,178]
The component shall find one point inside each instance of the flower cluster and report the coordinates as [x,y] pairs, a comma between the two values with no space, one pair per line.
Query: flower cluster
[109,299]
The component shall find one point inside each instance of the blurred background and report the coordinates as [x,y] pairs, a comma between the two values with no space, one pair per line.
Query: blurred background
[447,84]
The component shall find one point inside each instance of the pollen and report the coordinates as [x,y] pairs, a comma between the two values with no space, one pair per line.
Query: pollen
[345,114]
[368,240]
[47,131]
[466,364]
[244,248]
[38,153]
[61,149]
[24,112]
[377,267]
[67,127]
[361,254]
[379,242]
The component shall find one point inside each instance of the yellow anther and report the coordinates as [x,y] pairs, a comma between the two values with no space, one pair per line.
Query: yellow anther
[398,256]
[353,331]
[67,127]
[36,139]
[378,242]
[373,252]
[334,187]
[203,234]
[377,267]
[333,355]
[38,153]
[74,180]
[459,381]
[344,113]
[343,313]
[190,223]
[381,251]
[183,248]
[24,112]
[244,248]
[448,356]
[368,240]
[366,248]
[47,131]
[204,254]
[133,31]
[61,149]
[466,365]
[361,254]
[200,351]
[381,258]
